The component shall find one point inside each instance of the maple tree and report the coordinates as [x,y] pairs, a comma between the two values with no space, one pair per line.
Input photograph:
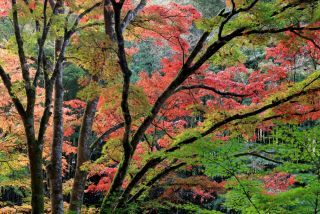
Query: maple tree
[26,109]
[141,131]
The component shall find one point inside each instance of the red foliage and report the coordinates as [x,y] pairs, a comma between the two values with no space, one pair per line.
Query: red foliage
[104,183]
[5,6]
[75,104]
[68,131]
[168,22]
[201,188]
[168,25]
[278,182]
[68,149]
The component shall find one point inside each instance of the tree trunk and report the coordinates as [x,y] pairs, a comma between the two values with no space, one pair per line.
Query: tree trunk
[35,150]
[55,169]
[83,155]
[37,188]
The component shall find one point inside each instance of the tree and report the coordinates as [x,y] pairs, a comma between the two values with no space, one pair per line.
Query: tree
[228,30]
[204,86]
[43,26]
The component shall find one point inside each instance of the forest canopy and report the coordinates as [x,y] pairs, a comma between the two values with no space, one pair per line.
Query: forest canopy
[148,106]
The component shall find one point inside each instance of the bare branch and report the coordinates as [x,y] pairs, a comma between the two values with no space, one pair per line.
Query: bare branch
[134,181]
[126,73]
[81,15]
[231,14]
[94,24]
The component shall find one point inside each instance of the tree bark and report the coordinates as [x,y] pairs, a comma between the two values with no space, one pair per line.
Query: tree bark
[115,188]
[84,150]
[55,166]
[83,155]
[27,116]
[37,189]
[35,160]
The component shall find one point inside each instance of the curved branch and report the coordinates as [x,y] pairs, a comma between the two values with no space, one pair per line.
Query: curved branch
[150,183]
[100,140]
[231,14]
[149,165]
[19,40]
[256,154]
[306,38]
[279,30]
[200,86]
[7,82]
[132,14]
[126,72]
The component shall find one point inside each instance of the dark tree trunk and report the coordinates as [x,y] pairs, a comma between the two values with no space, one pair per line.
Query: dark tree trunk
[35,160]
[115,189]
[83,155]
[37,188]
[55,167]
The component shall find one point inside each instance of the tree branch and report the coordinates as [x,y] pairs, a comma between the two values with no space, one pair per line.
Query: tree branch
[306,38]
[231,14]
[132,14]
[256,154]
[7,82]
[100,140]
[185,72]
[19,40]
[42,40]
[126,81]
[197,49]
[49,82]
[278,30]
[135,180]
[227,120]
[30,90]
[81,15]
[233,118]
[200,86]
[150,183]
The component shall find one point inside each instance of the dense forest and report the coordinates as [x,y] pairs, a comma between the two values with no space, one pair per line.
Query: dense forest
[160,106]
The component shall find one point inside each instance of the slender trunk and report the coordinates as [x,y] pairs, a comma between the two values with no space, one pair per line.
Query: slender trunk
[55,169]
[115,189]
[83,155]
